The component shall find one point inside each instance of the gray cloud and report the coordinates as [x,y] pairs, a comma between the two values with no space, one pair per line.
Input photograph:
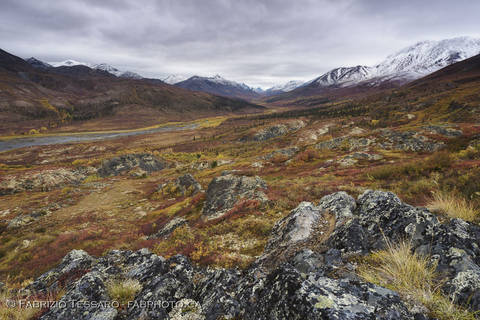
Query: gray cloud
[260,42]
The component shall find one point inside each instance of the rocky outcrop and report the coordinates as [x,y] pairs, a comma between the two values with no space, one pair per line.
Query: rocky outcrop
[169,228]
[409,141]
[444,130]
[187,185]
[226,191]
[346,143]
[124,163]
[306,271]
[286,153]
[277,130]
[354,158]
[43,180]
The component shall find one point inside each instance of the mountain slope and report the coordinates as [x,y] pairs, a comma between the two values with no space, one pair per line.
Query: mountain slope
[32,98]
[219,86]
[408,64]
[286,87]
[397,69]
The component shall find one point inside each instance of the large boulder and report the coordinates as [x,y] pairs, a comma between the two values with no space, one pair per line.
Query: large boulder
[278,130]
[44,180]
[306,271]
[225,191]
[118,165]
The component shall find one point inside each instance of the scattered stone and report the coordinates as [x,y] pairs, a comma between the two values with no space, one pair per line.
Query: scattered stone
[188,185]
[124,163]
[169,228]
[351,159]
[257,165]
[346,143]
[409,141]
[45,180]
[444,130]
[285,153]
[226,191]
[277,130]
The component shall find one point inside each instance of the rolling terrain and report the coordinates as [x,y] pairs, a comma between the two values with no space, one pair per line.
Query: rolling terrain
[38,100]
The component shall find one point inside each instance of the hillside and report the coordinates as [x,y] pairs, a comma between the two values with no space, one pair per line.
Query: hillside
[219,86]
[36,98]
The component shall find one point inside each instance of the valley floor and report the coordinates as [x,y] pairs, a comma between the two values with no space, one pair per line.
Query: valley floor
[57,198]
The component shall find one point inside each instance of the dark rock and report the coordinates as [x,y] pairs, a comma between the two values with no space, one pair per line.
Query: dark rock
[169,228]
[188,185]
[124,163]
[410,141]
[286,153]
[227,190]
[447,131]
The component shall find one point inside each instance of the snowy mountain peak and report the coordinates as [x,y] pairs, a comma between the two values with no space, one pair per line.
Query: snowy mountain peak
[285,87]
[174,78]
[101,66]
[69,63]
[410,63]
[34,62]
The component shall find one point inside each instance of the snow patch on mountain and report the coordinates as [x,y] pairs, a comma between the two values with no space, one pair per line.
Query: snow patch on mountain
[101,66]
[285,87]
[408,64]
[174,78]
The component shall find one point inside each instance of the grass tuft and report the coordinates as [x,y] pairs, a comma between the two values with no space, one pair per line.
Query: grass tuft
[414,277]
[453,206]
[123,291]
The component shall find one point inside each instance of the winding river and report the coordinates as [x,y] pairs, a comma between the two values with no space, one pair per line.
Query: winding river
[21,142]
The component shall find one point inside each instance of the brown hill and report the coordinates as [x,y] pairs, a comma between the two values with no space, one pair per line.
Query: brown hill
[32,98]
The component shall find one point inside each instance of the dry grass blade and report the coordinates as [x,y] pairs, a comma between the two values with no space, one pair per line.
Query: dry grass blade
[453,206]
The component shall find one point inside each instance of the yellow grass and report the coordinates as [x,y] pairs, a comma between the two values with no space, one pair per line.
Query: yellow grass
[453,206]
[123,291]
[414,277]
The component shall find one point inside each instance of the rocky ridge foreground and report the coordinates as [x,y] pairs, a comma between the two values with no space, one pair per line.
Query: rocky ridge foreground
[306,271]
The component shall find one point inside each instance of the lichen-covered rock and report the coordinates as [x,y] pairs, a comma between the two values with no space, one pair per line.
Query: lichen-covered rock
[409,141]
[187,185]
[44,180]
[346,143]
[169,228]
[227,190]
[75,263]
[84,301]
[444,130]
[286,153]
[127,162]
[304,273]
[278,130]
[339,204]
[454,245]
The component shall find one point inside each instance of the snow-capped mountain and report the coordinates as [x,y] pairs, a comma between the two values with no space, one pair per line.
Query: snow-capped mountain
[69,63]
[37,63]
[219,86]
[130,75]
[101,66]
[406,65]
[285,87]
[174,78]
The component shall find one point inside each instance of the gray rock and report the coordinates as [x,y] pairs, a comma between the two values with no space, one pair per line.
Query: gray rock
[277,130]
[44,180]
[169,228]
[124,163]
[188,185]
[347,143]
[227,190]
[340,204]
[444,130]
[287,153]
[410,141]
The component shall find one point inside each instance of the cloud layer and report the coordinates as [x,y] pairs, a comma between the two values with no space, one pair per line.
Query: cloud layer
[259,42]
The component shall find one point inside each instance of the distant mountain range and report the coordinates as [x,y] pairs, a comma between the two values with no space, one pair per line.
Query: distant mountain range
[38,95]
[101,66]
[406,65]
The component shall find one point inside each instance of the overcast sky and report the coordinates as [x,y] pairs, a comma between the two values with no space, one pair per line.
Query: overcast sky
[259,42]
